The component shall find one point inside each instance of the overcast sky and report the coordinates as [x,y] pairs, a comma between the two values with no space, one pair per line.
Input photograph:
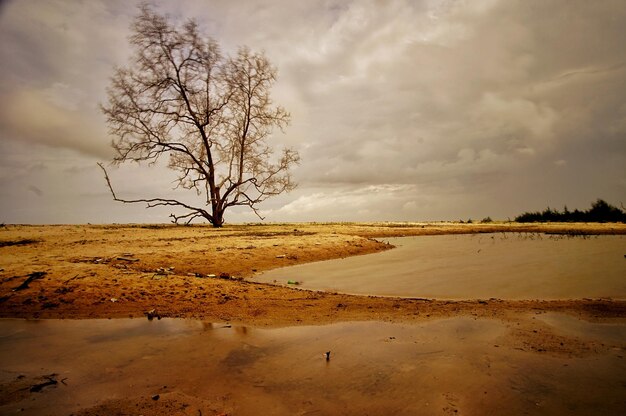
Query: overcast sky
[401,110]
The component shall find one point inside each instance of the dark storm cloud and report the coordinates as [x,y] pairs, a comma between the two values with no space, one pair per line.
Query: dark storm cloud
[401,109]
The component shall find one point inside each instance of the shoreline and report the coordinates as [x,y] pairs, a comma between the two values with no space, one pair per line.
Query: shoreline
[114,271]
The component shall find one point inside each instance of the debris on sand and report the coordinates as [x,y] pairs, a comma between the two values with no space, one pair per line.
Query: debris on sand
[153,313]
[51,380]
[128,259]
[94,260]
[162,272]
[19,242]
[32,276]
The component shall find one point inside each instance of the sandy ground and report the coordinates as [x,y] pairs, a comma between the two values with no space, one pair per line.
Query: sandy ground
[91,271]
[114,271]
[457,366]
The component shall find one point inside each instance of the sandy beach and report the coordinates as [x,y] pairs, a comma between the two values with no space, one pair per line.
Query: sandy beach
[102,271]
[207,274]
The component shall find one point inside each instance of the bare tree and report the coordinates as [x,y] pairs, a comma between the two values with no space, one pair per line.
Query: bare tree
[211,114]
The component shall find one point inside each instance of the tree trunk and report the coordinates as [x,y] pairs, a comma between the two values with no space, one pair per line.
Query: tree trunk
[218,218]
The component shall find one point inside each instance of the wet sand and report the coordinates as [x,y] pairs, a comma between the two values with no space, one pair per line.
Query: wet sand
[185,367]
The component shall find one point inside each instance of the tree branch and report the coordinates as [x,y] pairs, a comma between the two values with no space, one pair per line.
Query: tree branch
[155,202]
[212,115]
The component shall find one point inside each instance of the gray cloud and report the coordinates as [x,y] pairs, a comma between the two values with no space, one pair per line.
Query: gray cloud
[35,190]
[401,109]
[55,59]
[490,97]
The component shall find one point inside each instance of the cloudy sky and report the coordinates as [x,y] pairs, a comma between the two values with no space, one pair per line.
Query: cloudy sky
[401,110]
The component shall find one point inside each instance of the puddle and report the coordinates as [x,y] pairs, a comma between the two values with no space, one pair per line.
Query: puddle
[506,266]
[450,366]
[569,325]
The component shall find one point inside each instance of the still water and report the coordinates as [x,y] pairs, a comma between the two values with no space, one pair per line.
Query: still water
[476,266]
[449,366]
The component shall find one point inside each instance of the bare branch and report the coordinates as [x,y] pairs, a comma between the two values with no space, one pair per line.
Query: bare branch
[155,202]
[210,114]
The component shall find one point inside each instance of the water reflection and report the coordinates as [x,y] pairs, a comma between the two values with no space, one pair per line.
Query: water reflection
[459,364]
[239,330]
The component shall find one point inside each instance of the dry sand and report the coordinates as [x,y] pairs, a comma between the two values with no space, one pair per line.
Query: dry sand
[94,271]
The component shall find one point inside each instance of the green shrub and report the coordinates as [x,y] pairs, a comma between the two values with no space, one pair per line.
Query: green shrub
[600,211]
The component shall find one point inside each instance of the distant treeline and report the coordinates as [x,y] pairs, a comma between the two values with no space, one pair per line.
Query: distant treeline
[600,211]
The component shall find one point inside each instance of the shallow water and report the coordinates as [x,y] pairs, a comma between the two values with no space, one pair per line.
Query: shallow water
[571,326]
[506,266]
[450,366]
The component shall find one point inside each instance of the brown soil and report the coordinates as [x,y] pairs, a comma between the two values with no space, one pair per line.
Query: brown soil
[91,271]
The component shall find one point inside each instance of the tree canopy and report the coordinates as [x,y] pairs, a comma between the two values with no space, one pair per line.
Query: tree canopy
[209,113]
